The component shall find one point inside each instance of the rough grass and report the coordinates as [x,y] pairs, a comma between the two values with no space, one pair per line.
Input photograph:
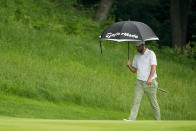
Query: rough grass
[57,68]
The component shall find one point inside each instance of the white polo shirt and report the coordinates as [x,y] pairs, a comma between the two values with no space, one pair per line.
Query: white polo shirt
[143,64]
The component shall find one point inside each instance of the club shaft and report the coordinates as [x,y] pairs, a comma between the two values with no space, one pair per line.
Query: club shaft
[162,90]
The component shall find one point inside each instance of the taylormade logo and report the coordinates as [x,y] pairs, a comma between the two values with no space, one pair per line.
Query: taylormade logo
[109,35]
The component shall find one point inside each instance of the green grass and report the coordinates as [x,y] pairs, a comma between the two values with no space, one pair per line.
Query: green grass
[16,107]
[47,71]
[21,124]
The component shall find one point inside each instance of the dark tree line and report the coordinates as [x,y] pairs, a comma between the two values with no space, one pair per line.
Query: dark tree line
[179,21]
[172,20]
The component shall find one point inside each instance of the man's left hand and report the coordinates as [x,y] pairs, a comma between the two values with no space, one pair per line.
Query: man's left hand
[149,82]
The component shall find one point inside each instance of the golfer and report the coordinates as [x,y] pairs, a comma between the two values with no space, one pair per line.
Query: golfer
[144,63]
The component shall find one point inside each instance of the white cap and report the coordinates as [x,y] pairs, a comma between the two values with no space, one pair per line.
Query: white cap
[138,43]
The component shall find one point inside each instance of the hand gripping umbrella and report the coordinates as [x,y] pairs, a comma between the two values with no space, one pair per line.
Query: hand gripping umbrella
[126,31]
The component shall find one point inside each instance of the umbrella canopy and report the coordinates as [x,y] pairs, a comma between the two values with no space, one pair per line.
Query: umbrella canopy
[128,31]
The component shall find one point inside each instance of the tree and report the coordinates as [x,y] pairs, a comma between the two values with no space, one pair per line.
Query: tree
[179,20]
[103,10]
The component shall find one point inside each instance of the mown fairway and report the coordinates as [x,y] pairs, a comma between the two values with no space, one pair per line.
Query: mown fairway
[18,124]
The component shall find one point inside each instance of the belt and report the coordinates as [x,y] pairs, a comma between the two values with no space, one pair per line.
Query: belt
[144,82]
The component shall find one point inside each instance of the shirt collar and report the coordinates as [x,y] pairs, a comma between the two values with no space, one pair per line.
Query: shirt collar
[146,51]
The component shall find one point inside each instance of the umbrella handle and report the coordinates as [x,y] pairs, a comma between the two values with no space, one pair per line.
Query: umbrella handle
[128,50]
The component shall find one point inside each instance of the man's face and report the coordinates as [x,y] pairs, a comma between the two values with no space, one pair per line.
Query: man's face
[140,48]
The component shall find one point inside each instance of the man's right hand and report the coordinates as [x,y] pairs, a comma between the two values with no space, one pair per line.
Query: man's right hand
[128,63]
[133,69]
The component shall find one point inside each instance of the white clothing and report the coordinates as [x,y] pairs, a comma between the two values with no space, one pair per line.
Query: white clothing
[143,63]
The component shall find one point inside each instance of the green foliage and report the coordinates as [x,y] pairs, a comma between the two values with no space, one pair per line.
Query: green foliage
[190,50]
[56,16]
[170,54]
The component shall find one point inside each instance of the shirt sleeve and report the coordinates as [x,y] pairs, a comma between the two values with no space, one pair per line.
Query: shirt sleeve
[153,59]
[134,62]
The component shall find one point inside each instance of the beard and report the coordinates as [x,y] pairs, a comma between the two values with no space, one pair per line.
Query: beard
[140,50]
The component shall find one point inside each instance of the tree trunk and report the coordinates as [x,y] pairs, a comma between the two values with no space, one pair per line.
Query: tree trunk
[179,20]
[103,10]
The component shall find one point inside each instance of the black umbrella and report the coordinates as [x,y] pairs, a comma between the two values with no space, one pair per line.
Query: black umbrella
[128,31]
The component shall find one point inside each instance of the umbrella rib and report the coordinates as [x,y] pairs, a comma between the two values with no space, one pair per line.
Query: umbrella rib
[138,30]
[121,30]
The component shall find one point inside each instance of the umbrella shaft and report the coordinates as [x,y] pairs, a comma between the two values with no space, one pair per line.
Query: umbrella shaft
[128,50]
[100,46]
